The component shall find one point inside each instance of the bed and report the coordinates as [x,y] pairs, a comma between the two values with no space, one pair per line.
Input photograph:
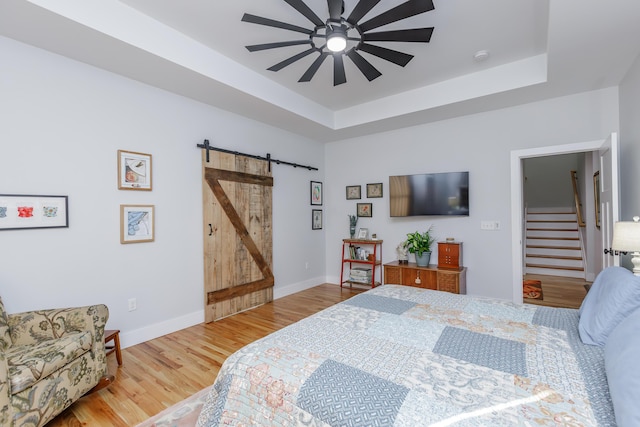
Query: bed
[402,356]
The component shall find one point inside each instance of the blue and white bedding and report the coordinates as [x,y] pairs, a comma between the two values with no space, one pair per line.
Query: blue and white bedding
[403,356]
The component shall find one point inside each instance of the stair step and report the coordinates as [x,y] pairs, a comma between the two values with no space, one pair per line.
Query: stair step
[551,229]
[552,221]
[552,238]
[555,267]
[555,272]
[553,234]
[572,258]
[571,248]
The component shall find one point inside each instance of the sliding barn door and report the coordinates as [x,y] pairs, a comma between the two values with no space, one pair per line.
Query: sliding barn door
[238,245]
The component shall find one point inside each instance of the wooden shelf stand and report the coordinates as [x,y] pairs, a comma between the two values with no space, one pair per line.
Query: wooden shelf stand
[373,263]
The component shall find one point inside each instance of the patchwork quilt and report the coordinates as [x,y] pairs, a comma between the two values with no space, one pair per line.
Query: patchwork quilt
[403,356]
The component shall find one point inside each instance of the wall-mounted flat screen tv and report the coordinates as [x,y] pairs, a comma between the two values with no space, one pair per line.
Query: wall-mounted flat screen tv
[429,194]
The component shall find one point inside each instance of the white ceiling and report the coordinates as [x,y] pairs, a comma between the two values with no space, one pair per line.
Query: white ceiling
[538,49]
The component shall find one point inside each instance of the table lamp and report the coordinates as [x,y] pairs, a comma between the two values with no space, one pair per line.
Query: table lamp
[626,238]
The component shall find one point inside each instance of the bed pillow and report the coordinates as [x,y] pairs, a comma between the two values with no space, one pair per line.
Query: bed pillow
[621,355]
[614,295]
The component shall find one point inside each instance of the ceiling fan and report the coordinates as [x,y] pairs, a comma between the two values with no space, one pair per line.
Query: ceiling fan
[338,36]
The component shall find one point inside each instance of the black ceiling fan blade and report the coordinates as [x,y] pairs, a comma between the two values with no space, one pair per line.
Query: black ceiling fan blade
[247,17]
[280,65]
[311,71]
[339,76]
[301,7]
[403,11]
[264,46]
[369,71]
[398,58]
[335,9]
[419,35]
[362,8]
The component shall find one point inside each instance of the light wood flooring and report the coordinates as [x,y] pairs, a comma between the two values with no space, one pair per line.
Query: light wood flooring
[161,372]
[559,291]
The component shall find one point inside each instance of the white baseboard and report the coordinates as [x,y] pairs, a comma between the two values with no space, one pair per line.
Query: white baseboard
[137,336]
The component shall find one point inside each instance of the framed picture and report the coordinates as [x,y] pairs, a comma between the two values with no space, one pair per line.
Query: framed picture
[363,233]
[365,209]
[596,196]
[19,211]
[137,223]
[316,193]
[374,190]
[353,192]
[134,171]
[316,219]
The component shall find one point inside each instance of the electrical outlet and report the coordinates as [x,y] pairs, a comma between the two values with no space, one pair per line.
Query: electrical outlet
[306,265]
[489,225]
[133,304]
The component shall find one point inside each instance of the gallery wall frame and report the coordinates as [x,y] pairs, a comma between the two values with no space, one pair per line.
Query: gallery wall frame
[316,193]
[365,209]
[374,190]
[135,171]
[316,219]
[137,223]
[354,192]
[20,211]
[596,197]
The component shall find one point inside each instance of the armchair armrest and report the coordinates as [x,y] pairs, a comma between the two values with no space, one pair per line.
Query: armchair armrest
[33,327]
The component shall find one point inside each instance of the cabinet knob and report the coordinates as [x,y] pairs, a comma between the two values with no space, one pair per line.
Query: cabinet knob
[418,281]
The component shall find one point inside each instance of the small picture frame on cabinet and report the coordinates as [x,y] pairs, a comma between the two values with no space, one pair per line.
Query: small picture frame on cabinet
[353,192]
[363,233]
[374,190]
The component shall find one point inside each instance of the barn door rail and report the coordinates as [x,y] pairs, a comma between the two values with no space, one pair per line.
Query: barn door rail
[207,146]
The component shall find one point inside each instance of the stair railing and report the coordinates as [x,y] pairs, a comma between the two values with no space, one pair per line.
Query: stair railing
[576,198]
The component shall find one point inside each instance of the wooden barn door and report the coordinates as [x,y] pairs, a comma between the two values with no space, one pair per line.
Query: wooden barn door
[238,246]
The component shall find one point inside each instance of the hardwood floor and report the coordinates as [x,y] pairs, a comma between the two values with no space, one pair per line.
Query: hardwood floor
[559,291]
[161,372]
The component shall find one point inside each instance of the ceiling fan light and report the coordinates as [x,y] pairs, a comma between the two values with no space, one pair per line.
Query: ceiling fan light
[337,39]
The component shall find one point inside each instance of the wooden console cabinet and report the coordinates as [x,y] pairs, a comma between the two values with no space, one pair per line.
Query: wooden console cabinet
[452,280]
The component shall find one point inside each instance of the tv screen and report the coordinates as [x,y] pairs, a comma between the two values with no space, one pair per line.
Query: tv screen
[429,194]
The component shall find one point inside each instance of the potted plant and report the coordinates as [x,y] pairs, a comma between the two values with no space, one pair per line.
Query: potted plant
[420,245]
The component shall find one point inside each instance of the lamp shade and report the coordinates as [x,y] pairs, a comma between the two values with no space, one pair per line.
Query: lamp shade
[626,235]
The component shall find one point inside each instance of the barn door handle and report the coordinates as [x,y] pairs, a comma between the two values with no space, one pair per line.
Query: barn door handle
[210,230]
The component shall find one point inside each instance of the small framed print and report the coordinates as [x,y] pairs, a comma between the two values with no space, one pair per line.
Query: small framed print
[24,212]
[316,193]
[363,233]
[134,171]
[353,192]
[316,219]
[365,209]
[374,190]
[137,223]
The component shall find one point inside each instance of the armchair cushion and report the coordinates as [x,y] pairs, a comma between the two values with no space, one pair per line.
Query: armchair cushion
[29,364]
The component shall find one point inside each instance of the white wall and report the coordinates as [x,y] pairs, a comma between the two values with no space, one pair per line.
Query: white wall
[62,124]
[630,146]
[479,143]
[548,182]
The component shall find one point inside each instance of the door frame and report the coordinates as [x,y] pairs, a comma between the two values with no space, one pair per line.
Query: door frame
[517,202]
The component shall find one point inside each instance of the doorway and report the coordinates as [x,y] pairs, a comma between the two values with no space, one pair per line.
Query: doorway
[517,204]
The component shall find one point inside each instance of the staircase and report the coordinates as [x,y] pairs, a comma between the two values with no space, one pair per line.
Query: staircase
[553,243]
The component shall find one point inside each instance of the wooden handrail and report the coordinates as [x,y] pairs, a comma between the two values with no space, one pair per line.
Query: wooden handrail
[576,198]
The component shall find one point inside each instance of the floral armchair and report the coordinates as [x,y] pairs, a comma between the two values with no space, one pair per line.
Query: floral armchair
[48,360]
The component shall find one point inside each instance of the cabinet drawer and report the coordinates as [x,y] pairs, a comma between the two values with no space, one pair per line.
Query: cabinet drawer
[392,275]
[420,278]
[449,282]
